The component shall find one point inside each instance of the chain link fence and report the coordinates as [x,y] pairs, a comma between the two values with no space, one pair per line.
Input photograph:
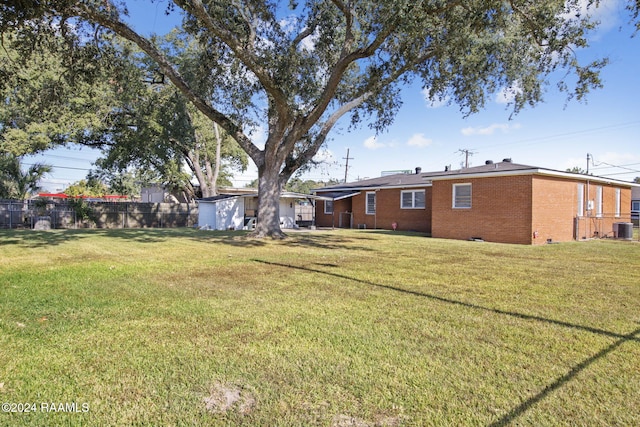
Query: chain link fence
[40,214]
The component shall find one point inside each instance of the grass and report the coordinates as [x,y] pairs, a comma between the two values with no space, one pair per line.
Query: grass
[342,328]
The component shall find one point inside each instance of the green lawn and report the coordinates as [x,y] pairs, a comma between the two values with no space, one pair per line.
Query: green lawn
[341,328]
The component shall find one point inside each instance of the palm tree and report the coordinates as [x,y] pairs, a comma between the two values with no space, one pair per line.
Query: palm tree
[17,184]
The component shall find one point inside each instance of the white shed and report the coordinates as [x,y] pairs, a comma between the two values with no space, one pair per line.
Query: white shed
[224,212]
[237,211]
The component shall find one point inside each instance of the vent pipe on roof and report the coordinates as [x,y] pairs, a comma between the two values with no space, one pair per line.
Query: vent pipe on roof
[507,160]
[418,170]
[488,162]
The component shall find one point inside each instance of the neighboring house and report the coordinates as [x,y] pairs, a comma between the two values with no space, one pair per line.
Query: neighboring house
[499,202]
[237,209]
[155,193]
[635,205]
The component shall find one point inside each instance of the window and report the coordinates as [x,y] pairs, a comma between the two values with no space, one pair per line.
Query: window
[598,201]
[580,200]
[635,205]
[371,203]
[328,206]
[412,199]
[462,196]
[617,202]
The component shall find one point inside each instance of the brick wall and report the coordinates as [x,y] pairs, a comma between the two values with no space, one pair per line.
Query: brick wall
[388,211]
[337,218]
[500,211]
[506,209]
[517,208]
[591,224]
[555,203]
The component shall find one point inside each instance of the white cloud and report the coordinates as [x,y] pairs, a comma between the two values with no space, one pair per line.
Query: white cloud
[288,23]
[508,94]
[309,43]
[607,13]
[324,156]
[372,143]
[419,140]
[434,102]
[490,130]
[258,135]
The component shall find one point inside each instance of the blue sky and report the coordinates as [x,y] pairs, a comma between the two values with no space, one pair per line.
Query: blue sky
[554,134]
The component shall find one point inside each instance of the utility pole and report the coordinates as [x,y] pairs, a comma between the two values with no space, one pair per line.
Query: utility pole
[466,153]
[346,166]
[588,158]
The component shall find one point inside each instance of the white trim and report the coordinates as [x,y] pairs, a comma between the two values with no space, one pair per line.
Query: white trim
[376,188]
[413,199]
[428,180]
[325,207]
[536,171]
[599,201]
[347,196]
[336,198]
[580,201]
[453,195]
[366,203]
[618,204]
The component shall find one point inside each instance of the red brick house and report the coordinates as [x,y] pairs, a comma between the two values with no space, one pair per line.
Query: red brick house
[498,202]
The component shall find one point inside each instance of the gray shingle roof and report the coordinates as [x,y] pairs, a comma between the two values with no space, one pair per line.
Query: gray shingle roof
[425,178]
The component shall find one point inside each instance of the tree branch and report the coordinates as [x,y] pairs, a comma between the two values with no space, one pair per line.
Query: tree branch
[126,32]
[246,54]
[294,164]
[346,59]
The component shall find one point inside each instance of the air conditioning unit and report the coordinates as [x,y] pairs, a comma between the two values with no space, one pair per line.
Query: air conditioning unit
[623,230]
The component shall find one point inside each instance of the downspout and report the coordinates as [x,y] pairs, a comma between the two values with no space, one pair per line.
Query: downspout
[375,211]
[313,211]
[333,213]
[588,221]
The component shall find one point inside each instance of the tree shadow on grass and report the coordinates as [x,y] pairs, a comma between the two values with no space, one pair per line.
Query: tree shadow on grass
[559,382]
[34,239]
[237,238]
[37,238]
[513,414]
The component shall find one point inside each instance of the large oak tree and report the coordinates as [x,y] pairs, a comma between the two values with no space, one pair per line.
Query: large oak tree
[115,100]
[297,69]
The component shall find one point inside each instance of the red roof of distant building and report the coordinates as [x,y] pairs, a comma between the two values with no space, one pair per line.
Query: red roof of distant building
[66,196]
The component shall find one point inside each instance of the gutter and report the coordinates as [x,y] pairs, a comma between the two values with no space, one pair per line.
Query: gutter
[537,171]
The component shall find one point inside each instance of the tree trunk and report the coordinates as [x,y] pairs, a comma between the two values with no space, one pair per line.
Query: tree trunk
[269,188]
[215,173]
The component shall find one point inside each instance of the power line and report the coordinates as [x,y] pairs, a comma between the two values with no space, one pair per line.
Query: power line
[613,166]
[613,174]
[61,167]
[619,167]
[562,135]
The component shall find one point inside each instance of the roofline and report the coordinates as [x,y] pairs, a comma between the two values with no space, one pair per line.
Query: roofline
[229,197]
[283,195]
[532,170]
[344,196]
[373,188]
[535,171]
